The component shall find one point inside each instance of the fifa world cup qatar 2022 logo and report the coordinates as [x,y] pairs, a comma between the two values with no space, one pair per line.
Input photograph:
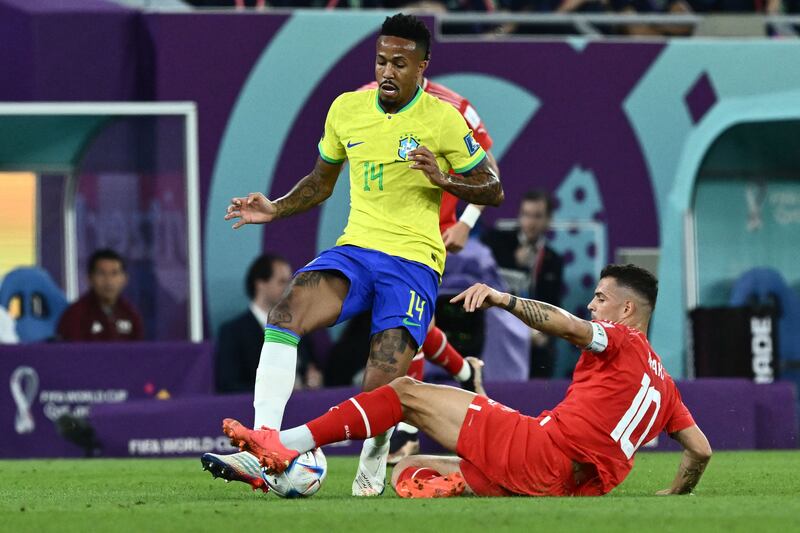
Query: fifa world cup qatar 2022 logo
[24,384]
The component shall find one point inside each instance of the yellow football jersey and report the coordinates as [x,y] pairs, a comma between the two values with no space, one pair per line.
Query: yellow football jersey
[395,209]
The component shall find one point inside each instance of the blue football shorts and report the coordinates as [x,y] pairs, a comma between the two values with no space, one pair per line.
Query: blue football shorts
[401,293]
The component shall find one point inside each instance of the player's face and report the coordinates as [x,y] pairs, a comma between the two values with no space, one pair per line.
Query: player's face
[273,289]
[533,219]
[108,280]
[398,68]
[608,302]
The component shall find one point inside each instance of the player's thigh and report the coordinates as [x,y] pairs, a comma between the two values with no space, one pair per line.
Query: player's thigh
[390,354]
[438,410]
[313,300]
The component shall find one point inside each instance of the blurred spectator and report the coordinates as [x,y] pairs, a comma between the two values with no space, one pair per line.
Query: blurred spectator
[239,341]
[8,328]
[523,249]
[102,314]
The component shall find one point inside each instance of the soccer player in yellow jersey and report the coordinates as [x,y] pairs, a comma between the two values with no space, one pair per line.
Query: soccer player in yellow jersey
[400,143]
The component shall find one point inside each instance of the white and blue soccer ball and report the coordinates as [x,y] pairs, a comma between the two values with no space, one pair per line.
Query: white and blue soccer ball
[302,478]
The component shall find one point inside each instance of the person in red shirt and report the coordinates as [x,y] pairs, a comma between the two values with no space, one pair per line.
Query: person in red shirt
[102,314]
[620,398]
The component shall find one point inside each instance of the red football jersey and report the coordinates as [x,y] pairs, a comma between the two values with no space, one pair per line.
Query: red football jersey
[447,211]
[619,399]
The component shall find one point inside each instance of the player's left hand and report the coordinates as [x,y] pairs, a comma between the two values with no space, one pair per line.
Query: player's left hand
[479,296]
[664,492]
[424,160]
[455,237]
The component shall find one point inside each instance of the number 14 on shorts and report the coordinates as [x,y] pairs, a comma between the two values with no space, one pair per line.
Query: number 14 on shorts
[415,303]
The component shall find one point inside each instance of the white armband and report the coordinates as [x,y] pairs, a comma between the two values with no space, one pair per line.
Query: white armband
[599,339]
[470,215]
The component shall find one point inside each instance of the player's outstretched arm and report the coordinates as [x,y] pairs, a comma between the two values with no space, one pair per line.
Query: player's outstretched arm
[310,191]
[695,458]
[538,315]
[480,185]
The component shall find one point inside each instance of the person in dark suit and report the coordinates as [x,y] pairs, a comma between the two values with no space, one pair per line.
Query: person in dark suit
[238,346]
[523,249]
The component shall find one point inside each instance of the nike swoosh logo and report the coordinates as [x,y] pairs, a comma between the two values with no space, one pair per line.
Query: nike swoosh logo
[408,322]
[352,144]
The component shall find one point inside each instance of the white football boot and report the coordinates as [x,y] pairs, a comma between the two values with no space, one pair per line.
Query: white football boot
[371,476]
[242,466]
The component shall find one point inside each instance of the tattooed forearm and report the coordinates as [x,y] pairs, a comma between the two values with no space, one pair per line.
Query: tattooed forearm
[512,303]
[690,477]
[549,319]
[479,186]
[689,474]
[309,192]
[532,312]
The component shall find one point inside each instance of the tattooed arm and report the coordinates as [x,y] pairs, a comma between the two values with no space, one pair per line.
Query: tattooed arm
[538,315]
[480,185]
[695,458]
[310,191]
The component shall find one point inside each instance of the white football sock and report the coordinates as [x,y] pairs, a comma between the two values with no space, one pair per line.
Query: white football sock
[274,377]
[377,445]
[465,373]
[298,438]
[407,428]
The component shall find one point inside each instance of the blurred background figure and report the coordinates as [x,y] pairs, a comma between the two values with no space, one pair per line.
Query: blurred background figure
[8,328]
[238,346]
[102,313]
[531,267]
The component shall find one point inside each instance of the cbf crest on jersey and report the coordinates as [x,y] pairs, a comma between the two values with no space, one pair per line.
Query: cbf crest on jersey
[472,144]
[407,144]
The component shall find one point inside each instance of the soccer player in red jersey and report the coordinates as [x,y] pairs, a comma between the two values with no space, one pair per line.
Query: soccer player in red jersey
[621,397]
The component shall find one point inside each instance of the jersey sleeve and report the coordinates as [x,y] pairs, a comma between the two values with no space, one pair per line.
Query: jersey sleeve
[457,143]
[680,418]
[330,146]
[477,126]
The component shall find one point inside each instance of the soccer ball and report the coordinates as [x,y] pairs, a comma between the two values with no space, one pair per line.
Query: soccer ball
[302,478]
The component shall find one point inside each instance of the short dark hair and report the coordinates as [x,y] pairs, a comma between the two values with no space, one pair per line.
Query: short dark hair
[261,269]
[411,28]
[538,195]
[104,254]
[639,280]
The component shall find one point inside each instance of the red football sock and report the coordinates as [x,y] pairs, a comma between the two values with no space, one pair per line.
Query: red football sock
[440,352]
[416,369]
[361,417]
[417,472]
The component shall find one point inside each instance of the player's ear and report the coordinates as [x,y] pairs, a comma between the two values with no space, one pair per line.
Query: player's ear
[628,308]
[422,66]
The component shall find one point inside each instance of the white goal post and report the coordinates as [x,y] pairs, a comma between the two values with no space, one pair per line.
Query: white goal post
[186,110]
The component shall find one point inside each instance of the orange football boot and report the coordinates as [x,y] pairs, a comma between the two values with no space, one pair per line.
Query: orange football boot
[435,487]
[264,443]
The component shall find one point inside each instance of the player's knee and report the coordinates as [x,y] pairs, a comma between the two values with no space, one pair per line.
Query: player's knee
[403,386]
[406,462]
[407,390]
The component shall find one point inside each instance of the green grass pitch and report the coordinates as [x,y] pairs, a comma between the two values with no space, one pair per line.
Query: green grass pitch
[741,491]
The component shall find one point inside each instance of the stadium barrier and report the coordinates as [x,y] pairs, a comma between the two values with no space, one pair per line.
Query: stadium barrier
[154,400]
[46,381]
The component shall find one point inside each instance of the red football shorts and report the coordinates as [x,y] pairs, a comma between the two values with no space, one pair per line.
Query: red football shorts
[506,453]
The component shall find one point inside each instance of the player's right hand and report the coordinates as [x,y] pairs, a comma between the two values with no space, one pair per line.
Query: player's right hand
[479,296]
[253,209]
